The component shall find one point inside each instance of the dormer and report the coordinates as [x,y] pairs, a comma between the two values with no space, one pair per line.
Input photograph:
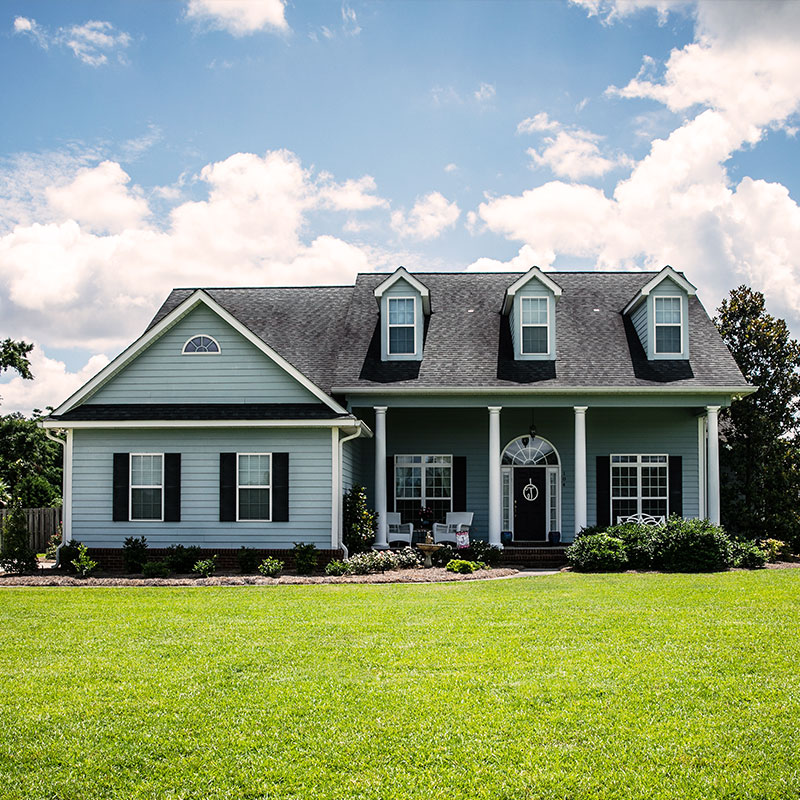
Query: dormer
[660,314]
[404,303]
[530,305]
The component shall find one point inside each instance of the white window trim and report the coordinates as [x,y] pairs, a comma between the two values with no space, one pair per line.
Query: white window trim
[522,326]
[639,464]
[389,325]
[265,486]
[508,504]
[184,352]
[424,500]
[657,325]
[131,487]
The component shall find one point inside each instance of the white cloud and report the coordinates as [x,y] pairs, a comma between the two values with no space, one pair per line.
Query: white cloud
[484,93]
[430,215]
[451,168]
[352,195]
[537,123]
[572,154]
[92,43]
[350,25]
[240,17]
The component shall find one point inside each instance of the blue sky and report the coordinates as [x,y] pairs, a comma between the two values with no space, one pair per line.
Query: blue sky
[233,142]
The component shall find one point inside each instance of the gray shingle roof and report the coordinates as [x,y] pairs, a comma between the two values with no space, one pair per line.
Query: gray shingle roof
[331,335]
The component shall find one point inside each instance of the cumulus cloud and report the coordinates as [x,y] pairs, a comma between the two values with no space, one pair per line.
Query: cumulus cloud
[352,195]
[430,215]
[484,93]
[92,43]
[240,17]
[539,122]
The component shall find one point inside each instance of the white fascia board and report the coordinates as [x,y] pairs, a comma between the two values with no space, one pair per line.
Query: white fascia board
[402,274]
[347,424]
[736,391]
[667,272]
[177,313]
[533,272]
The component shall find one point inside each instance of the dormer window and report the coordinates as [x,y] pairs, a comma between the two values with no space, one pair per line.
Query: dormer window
[201,344]
[402,326]
[668,324]
[534,321]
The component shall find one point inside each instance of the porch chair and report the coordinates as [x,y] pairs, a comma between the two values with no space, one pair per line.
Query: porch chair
[398,531]
[455,521]
[643,519]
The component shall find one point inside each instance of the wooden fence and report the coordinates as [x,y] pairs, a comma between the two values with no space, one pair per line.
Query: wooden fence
[42,524]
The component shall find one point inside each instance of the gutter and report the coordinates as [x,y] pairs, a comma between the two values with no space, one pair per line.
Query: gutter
[342,545]
[65,466]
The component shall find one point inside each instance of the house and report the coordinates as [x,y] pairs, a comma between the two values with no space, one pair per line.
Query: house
[542,402]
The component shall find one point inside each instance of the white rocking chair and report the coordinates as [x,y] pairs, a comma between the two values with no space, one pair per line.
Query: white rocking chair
[398,531]
[643,519]
[455,522]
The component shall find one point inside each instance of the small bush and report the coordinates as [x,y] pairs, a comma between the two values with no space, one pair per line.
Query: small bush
[156,569]
[336,568]
[206,567]
[305,558]
[16,554]
[441,558]
[270,567]
[53,543]
[691,545]
[372,562]
[134,553]
[591,530]
[407,558]
[358,521]
[775,550]
[639,542]
[248,560]
[484,552]
[84,565]
[182,559]
[67,554]
[598,552]
[748,555]
[462,566]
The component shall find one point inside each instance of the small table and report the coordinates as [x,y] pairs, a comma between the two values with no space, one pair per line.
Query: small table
[428,550]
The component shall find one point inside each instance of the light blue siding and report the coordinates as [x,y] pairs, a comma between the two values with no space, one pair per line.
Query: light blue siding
[534,288]
[309,487]
[667,287]
[402,288]
[351,464]
[240,373]
[639,319]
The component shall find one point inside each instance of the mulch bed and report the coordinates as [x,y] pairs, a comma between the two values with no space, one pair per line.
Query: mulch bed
[434,575]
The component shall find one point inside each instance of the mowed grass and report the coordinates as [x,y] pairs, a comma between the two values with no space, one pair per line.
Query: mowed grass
[568,686]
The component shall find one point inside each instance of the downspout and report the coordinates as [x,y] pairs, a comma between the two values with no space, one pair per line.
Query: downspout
[342,545]
[65,466]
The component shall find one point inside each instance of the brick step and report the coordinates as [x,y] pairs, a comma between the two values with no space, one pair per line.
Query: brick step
[545,557]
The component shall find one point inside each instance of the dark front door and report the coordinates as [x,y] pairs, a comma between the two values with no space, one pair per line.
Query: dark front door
[530,499]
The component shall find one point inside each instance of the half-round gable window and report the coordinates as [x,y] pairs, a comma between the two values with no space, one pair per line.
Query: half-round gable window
[201,344]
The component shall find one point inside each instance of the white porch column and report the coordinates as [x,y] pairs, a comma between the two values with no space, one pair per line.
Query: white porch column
[580,467]
[382,534]
[712,495]
[495,489]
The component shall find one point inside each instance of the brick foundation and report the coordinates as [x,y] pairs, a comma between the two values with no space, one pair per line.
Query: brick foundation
[552,557]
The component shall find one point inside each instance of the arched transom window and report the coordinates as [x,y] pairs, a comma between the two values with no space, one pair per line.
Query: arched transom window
[201,344]
[531,451]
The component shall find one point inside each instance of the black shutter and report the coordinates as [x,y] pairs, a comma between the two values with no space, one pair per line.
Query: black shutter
[121,511]
[603,491]
[675,472]
[227,487]
[280,487]
[459,483]
[390,483]
[172,487]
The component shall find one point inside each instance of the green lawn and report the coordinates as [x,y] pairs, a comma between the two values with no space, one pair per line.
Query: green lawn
[569,686]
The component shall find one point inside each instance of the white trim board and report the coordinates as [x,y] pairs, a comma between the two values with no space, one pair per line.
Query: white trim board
[533,272]
[148,337]
[349,423]
[402,274]
[667,272]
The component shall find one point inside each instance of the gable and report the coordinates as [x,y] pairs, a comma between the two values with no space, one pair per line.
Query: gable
[240,373]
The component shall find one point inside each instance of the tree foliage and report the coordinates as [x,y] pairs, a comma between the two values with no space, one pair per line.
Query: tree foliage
[359,521]
[16,553]
[14,355]
[759,454]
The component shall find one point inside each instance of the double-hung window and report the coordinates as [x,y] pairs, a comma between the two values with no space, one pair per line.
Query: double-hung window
[669,326]
[402,326]
[254,487]
[639,485]
[423,481]
[535,327]
[147,487]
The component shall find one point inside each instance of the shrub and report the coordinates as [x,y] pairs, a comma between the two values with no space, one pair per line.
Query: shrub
[462,566]
[639,542]
[134,553]
[270,567]
[67,554]
[206,567]
[691,545]
[83,564]
[372,562]
[248,560]
[305,558]
[748,555]
[407,558]
[358,521]
[598,552]
[488,554]
[182,559]
[441,558]
[590,530]
[16,553]
[53,543]
[775,549]
[336,568]
[155,569]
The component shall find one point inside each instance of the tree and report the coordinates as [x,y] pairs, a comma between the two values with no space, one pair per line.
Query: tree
[759,457]
[14,355]
[358,521]
[16,553]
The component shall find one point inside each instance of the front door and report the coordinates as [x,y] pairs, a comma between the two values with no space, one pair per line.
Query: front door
[530,504]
